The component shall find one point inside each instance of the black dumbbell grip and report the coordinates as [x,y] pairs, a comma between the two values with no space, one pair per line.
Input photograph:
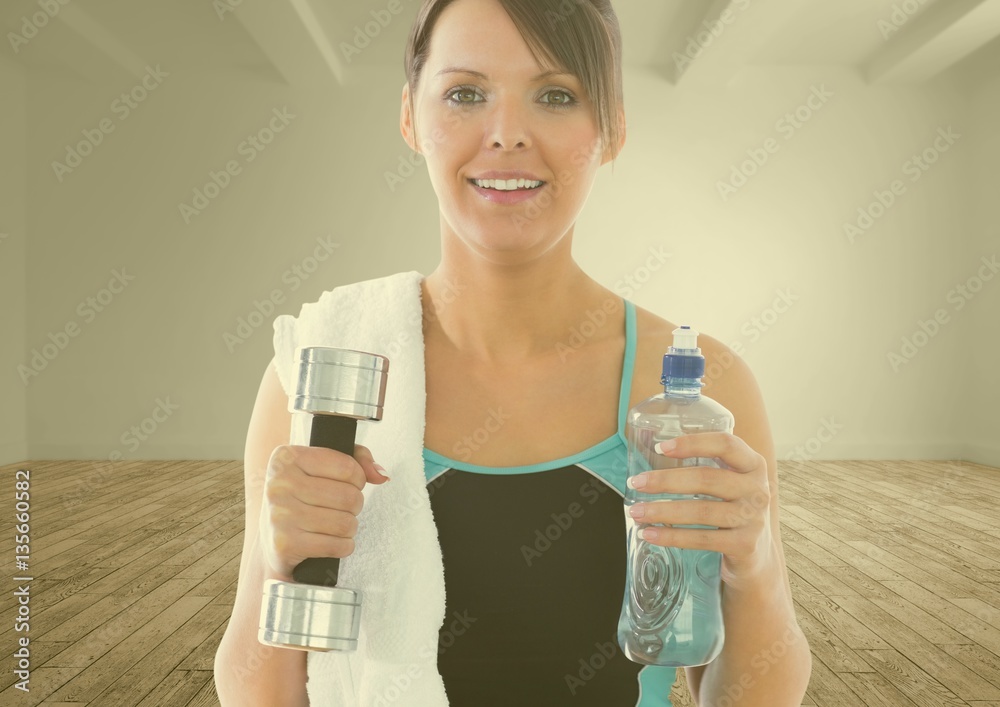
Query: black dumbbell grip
[335,432]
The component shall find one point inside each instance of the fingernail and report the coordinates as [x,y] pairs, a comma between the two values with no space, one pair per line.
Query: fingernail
[637,482]
[637,511]
[380,469]
[665,446]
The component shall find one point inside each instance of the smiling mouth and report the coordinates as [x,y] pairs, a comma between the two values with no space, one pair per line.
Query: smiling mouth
[517,189]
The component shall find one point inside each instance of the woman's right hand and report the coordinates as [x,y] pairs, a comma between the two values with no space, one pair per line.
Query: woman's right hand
[311,500]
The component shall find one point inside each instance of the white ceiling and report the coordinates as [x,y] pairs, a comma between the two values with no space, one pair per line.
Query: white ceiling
[299,41]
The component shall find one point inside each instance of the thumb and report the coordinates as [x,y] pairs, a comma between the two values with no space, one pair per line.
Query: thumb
[364,457]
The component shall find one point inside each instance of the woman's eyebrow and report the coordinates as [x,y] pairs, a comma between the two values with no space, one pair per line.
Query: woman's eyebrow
[459,70]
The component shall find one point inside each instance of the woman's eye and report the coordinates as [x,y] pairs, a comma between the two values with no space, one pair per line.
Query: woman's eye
[459,92]
[566,100]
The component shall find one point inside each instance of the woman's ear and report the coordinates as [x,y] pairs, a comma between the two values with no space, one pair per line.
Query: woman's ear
[406,120]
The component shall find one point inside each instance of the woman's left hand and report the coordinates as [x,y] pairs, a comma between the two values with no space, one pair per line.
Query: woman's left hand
[743,516]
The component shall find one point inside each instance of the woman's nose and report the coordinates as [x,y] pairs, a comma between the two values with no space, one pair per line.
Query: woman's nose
[508,124]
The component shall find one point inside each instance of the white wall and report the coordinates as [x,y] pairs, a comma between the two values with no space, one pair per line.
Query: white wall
[161,338]
[13,230]
[823,359]
[979,421]
[826,357]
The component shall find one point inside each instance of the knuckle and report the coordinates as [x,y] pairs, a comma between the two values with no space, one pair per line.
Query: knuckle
[273,494]
[342,547]
[349,499]
[347,525]
[283,453]
[281,544]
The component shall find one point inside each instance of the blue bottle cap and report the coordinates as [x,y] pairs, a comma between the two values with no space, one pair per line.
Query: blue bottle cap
[683,359]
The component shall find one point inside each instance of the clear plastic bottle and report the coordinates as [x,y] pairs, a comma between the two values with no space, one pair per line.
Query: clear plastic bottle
[672,608]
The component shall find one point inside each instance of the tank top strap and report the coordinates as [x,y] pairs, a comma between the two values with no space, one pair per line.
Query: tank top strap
[627,365]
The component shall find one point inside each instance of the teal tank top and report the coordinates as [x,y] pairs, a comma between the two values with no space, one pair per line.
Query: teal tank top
[534,562]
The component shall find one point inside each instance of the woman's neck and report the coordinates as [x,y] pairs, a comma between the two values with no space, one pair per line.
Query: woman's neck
[503,319]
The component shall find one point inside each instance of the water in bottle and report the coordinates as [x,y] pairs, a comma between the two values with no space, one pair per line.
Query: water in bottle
[672,609]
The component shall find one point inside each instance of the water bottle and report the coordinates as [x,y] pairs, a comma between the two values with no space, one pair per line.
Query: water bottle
[672,609]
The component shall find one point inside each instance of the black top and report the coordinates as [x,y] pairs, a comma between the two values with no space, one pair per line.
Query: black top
[534,570]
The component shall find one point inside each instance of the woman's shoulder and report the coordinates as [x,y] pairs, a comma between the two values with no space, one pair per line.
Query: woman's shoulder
[726,374]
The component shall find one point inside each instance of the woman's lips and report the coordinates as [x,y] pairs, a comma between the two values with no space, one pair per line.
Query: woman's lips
[514,196]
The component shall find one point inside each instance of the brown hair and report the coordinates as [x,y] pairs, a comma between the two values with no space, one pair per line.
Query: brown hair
[582,37]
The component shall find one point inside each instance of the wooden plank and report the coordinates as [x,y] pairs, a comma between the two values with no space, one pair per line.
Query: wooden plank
[912,567]
[217,582]
[970,624]
[984,663]
[934,664]
[94,679]
[206,697]
[178,688]
[826,646]
[922,689]
[850,555]
[876,690]
[816,575]
[142,678]
[44,682]
[96,638]
[41,651]
[827,689]
[202,657]
[831,615]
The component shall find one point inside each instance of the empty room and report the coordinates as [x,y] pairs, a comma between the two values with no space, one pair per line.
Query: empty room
[692,306]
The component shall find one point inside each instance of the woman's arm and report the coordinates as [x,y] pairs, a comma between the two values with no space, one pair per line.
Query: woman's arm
[247,672]
[765,659]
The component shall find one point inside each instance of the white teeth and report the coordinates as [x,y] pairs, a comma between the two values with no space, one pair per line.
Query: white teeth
[508,185]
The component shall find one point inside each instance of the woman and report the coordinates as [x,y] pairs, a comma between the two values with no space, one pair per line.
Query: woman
[512,400]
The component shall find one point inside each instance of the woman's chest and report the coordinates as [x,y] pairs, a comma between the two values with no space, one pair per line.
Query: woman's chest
[528,416]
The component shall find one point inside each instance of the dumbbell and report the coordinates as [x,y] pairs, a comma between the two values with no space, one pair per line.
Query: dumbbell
[338,387]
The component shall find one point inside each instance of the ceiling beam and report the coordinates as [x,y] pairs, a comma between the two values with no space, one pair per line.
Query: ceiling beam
[679,31]
[727,37]
[107,43]
[942,35]
[294,40]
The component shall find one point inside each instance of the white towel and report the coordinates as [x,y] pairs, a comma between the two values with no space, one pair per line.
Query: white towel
[396,563]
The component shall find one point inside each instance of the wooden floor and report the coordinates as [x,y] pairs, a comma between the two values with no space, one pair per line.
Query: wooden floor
[895,568]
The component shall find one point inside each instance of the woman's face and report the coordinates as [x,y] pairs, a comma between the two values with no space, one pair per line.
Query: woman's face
[508,119]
